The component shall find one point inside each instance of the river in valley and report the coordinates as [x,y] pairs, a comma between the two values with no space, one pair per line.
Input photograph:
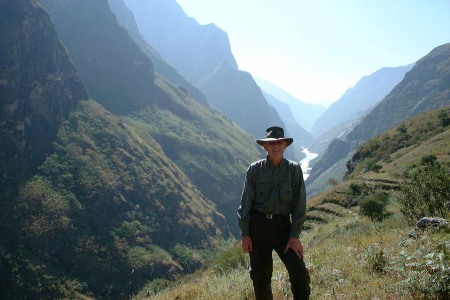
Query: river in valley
[305,162]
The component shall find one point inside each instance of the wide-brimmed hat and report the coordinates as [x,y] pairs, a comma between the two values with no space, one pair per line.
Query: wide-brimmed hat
[274,134]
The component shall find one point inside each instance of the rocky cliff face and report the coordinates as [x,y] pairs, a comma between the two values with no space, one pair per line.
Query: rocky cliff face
[38,88]
[126,18]
[115,71]
[167,28]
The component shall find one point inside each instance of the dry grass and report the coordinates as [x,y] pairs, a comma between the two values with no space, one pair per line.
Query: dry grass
[348,258]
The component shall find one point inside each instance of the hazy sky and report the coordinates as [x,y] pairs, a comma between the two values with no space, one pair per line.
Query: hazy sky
[317,49]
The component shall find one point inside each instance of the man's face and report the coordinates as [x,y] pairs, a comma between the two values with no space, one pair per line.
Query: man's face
[275,149]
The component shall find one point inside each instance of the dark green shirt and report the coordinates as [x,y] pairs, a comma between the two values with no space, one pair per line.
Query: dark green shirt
[278,191]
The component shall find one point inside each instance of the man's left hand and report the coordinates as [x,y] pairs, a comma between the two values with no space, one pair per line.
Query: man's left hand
[296,246]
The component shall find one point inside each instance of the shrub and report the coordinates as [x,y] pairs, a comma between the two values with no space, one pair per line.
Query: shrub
[428,159]
[356,189]
[377,260]
[445,119]
[374,206]
[426,191]
[231,258]
[372,165]
[186,258]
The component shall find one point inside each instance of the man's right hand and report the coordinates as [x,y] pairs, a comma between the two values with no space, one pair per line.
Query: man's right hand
[247,244]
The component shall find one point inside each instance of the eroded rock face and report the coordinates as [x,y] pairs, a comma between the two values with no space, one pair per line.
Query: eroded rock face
[39,87]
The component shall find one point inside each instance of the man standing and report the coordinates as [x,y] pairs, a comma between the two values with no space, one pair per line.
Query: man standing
[272,211]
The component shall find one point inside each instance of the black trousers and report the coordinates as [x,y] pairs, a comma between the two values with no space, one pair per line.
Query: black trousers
[268,235]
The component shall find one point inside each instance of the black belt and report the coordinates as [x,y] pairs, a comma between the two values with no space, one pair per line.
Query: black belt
[268,216]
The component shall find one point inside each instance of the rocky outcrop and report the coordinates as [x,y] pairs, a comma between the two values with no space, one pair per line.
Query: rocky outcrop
[434,222]
[39,87]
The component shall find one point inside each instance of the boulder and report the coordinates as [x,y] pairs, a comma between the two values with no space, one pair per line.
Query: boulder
[434,222]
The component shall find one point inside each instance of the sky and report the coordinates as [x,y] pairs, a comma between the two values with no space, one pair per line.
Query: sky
[317,49]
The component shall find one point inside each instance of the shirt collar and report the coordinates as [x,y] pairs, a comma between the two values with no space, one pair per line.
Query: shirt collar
[269,163]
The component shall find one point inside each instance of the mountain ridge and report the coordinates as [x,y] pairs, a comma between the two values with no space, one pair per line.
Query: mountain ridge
[424,87]
[126,19]
[305,114]
[368,91]
[206,59]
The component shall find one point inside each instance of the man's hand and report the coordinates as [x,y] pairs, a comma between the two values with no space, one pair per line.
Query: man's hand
[247,244]
[296,246]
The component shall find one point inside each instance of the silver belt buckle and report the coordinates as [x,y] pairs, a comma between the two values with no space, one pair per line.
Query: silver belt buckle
[269,216]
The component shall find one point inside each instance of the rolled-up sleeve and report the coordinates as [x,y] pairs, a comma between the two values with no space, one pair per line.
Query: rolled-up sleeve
[299,203]
[247,198]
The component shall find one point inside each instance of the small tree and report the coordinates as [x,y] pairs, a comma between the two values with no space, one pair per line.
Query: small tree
[445,119]
[374,206]
[426,191]
[356,189]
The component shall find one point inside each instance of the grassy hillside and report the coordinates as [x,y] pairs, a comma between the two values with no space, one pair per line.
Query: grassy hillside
[349,255]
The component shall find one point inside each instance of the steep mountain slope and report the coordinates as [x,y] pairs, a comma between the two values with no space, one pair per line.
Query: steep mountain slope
[126,18]
[206,61]
[425,87]
[426,134]
[107,209]
[38,89]
[167,28]
[114,70]
[356,101]
[305,114]
[114,47]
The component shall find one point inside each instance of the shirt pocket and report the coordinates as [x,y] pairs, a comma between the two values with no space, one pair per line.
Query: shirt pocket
[262,193]
[286,192]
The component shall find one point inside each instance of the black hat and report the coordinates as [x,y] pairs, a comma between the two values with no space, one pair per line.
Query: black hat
[273,134]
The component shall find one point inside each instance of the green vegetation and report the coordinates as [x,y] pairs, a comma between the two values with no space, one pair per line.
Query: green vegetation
[426,191]
[374,206]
